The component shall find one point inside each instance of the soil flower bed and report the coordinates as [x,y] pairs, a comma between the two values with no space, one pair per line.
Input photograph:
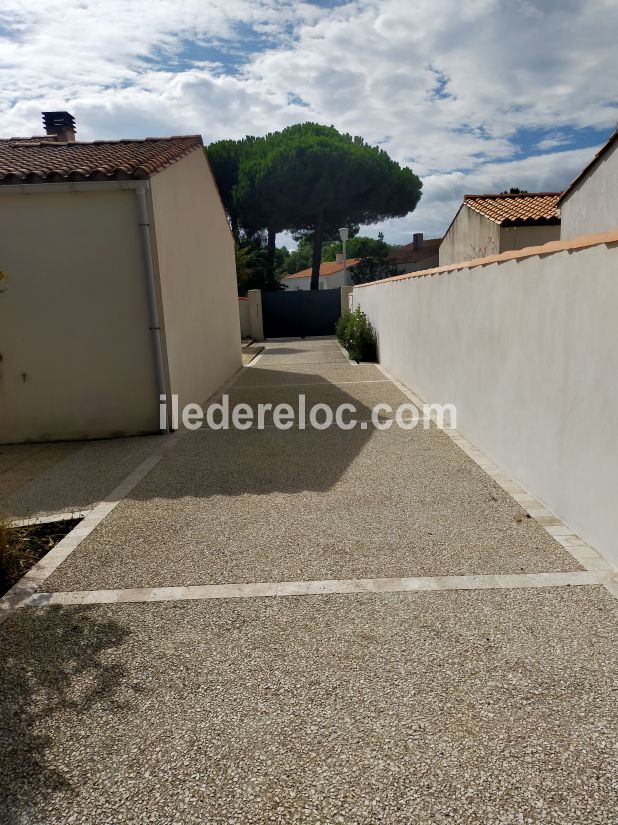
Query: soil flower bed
[22,547]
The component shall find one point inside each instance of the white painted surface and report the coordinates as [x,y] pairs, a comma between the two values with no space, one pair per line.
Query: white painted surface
[593,205]
[245,318]
[469,236]
[75,343]
[197,271]
[526,349]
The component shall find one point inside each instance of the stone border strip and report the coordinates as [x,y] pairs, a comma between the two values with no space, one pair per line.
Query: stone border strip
[254,361]
[29,583]
[345,354]
[581,551]
[317,588]
[49,519]
[34,578]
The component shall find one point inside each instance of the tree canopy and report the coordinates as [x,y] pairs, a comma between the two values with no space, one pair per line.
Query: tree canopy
[310,179]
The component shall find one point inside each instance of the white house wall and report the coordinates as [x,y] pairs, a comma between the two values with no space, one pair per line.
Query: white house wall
[197,272]
[75,343]
[593,205]
[470,236]
[526,350]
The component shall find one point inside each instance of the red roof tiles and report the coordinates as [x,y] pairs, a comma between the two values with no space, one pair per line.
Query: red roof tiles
[32,160]
[517,210]
[409,254]
[329,268]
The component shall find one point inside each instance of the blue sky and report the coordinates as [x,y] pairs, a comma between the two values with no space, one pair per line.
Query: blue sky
[476,96]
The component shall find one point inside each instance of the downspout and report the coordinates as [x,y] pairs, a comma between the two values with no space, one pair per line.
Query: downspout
[153,309]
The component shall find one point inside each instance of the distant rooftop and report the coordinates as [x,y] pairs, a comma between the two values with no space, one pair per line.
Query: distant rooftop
[329,268]
[526,208]
[413,253]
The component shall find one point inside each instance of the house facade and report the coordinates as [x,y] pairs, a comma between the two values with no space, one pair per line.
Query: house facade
[333,275]
[121,284]
[422,253]
[489,224]
[590,204]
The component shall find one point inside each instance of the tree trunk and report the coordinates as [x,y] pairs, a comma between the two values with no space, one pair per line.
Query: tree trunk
[317,253]
[270,256]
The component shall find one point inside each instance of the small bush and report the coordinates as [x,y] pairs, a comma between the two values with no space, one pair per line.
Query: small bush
[357,336]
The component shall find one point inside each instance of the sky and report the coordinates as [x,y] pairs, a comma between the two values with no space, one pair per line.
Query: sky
[474,95]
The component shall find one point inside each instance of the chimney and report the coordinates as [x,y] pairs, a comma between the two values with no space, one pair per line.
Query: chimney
[60,125]
[339,257]
[417,241]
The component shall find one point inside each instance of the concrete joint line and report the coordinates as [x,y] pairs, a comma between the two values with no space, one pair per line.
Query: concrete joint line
[320,588]
[313,384]
[592,561]
[34,578]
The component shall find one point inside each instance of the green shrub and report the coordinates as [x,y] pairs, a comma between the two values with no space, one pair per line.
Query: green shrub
[357,336]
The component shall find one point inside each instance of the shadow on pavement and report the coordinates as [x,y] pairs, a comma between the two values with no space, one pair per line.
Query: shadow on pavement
[64,676]
[262,461]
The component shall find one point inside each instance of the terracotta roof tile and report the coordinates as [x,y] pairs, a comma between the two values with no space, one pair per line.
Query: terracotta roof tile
[517,210]
[407,253]
[326,269]
[39,160]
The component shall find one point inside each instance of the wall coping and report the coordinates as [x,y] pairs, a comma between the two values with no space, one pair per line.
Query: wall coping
[581,242]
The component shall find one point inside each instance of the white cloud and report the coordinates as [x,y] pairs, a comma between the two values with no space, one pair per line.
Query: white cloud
[448,84]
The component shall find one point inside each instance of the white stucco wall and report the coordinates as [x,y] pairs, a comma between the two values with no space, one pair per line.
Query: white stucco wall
[197,271]
[245,317]
[74,328]
[593,205]
[470,236]
[527,351]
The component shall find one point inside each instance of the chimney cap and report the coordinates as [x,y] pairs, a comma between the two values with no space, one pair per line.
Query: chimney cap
[59,123]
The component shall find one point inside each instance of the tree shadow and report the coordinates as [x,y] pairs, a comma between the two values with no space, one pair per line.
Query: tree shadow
[50,673]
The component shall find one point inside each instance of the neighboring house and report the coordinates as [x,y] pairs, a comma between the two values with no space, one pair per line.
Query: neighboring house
[331,275]
[121,283]
[420,254]
[490,224]
[590,204]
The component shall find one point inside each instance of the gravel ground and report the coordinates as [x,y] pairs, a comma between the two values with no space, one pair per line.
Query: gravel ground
[330,356]
[82,479]
[306,373]
[362,396]
[467,708]
[331,504]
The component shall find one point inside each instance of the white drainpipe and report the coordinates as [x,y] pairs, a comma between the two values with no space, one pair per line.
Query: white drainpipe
[155,326]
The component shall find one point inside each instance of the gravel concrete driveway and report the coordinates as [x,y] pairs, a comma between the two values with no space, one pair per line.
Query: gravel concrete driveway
[478,706]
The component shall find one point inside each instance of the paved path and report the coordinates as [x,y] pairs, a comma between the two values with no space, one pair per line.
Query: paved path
[311,627]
